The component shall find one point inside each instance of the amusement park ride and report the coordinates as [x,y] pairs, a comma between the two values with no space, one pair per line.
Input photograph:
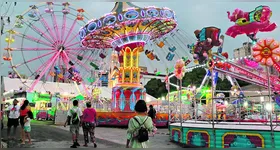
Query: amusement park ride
[129,31]
[46,34]
[210,133]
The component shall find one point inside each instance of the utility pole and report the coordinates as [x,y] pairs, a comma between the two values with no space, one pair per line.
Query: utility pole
[1,93]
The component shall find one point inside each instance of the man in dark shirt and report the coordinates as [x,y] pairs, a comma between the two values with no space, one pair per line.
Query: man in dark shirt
[152,113]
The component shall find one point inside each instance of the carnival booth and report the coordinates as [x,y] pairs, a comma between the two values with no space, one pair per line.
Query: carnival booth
[63,102]
[43,105]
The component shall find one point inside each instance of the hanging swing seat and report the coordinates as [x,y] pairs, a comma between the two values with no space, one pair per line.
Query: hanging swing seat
[80,15]
[91,80]
[71,63]
[19,25]
[32,15]
[7,58]
[60,76]
[172,49]
[52,74]
[80,57]
[9,40]
[48,10]
[160,44]
[8,49]
[170,56]
[102,55]
[94,66]
[37,76]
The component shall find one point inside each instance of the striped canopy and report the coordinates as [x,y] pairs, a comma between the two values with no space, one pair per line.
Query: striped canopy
[121,6]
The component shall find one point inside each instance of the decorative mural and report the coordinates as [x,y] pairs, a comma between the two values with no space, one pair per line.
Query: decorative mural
[198,138]
[242,140]
[176,134]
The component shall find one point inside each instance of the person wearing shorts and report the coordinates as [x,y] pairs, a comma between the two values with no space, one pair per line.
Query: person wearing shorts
[27,127]
[74,119]
[13,117]
[24,109]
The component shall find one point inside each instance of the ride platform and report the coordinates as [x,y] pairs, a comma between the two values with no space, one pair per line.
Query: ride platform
[121,119]
[225,134]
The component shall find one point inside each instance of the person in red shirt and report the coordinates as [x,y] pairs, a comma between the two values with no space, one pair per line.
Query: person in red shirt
[89,123]
[24,109]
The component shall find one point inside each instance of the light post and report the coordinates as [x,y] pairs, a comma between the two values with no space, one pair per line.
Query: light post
[195,104]
[1,93]
[269,109]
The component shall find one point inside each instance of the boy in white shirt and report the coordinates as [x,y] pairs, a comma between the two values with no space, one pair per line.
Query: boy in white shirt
[74,119]
[13,117]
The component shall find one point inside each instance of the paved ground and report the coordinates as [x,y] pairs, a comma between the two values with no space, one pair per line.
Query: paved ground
[46,135]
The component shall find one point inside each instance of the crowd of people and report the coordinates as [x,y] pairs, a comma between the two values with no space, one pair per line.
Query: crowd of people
[19,115]
[138,132]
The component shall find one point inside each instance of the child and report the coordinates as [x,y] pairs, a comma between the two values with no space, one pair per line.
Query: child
[27,127]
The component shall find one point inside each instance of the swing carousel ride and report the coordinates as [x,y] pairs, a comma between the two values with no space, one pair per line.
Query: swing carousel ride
[47,34]
[266,52]
[129,30]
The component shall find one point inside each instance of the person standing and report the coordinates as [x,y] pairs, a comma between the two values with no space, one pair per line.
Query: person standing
[152,113]
[27,126]
[88,124]
[139,127]
[24,109]
[74,116]
[13,116]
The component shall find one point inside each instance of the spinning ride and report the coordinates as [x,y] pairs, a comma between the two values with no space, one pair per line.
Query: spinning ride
[43,45]
[266,52]
[126,30]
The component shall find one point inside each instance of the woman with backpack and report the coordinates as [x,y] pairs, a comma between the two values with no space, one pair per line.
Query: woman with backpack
[139,127]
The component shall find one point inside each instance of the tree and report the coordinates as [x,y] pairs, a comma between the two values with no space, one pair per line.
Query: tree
[194,77]
[156,88]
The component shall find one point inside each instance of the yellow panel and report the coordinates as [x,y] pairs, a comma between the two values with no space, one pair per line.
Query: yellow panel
[127,75]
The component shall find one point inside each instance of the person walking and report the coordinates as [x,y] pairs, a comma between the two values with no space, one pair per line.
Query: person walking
[13,116]
[139,127]
[27,126]
[24,109]
[74,116]
[88,124]
[152,113]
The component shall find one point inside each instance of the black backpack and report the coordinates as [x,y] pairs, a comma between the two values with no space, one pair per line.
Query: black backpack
[143,134]
[75,118]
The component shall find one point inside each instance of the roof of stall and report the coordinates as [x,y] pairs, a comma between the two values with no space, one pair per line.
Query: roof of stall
[121,6]
[53,87]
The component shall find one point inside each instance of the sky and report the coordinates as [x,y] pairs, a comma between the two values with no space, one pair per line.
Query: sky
[191,15]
